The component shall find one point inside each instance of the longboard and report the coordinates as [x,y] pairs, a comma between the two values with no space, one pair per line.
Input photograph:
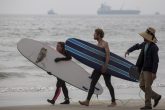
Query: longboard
[43,56]
[94,57]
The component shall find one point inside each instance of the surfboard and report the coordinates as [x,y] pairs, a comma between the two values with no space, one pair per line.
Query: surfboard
[43,56]
[94,57]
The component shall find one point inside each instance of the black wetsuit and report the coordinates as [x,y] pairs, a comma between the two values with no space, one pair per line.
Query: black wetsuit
[61,83]
[107,78]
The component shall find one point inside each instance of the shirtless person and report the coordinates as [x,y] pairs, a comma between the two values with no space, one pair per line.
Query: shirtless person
[98,35]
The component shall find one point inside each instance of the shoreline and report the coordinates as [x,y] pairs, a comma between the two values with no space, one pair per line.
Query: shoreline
[133,104]
[31,98]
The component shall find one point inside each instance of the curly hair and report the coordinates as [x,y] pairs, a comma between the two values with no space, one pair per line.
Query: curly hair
[99,32]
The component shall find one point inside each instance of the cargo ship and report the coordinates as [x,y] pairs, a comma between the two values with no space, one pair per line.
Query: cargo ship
[51,12]
[106,10]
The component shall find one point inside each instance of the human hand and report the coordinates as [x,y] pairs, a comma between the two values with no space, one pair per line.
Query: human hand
[126,53]
[104,69]
[153,76]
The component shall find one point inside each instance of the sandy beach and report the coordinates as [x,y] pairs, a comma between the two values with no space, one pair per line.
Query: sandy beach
[95,105]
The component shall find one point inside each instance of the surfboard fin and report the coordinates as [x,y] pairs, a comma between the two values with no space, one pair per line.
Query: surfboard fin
[134,73]
[84,88]
[97,88]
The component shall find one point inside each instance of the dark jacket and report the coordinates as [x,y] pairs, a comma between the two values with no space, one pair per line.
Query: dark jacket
[150,62]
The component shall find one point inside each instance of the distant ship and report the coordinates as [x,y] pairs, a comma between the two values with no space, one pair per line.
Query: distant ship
[51,12]
[157,13]
[106,10]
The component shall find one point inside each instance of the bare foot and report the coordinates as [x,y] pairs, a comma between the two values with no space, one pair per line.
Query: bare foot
[86,102]
[113,104]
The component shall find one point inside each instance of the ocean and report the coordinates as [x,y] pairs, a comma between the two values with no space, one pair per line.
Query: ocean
[20,79]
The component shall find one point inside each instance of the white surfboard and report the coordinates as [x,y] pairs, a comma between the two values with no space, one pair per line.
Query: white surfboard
[43,56]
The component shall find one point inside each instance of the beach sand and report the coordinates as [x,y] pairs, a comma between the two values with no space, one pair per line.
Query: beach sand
[127,99]
[94,105]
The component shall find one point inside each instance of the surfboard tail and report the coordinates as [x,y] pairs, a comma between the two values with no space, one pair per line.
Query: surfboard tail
[134,73]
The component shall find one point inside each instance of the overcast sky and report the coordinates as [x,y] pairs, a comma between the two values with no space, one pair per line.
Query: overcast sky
[77,6]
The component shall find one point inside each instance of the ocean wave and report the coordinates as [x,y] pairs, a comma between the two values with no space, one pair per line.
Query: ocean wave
[31,89]
[50,88]
[25,89]
[4,75]
[128,86]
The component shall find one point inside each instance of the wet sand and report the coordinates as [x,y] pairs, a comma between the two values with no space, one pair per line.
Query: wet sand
[94,105]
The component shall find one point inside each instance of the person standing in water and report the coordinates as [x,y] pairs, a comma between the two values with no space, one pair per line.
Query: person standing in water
[147,64]
[60,83]
[98,35]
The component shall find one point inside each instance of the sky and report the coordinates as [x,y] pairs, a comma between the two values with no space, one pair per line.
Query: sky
[78,7]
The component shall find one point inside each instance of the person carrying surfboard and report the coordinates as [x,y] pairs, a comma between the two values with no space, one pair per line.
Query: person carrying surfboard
[60,83]
[98,35]
[147,64]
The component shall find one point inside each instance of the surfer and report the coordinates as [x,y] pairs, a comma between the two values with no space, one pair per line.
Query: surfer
[147,64]
[60,83]
[98,35]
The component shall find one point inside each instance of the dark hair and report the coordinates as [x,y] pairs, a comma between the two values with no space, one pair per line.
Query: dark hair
[99,32]
[62,45]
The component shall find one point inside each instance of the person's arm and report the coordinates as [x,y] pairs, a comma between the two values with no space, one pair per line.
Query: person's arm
[107,58]
[155,59]
[134,47]
[107,54]
[68,57]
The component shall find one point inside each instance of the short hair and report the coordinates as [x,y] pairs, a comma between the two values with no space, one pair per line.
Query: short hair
[99,32]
